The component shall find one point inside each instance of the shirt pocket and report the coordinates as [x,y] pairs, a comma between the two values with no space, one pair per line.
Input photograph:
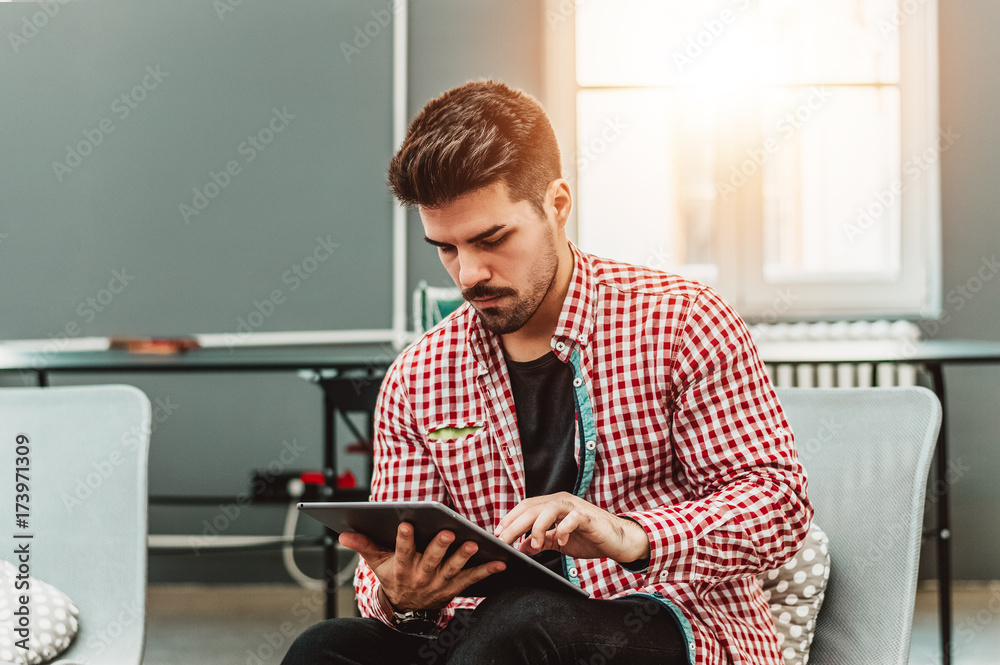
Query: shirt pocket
[453,432]
[458,450]
[451,439]
[462,454]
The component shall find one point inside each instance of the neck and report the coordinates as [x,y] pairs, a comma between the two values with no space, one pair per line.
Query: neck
[533,339]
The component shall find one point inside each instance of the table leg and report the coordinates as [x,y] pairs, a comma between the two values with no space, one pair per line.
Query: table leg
[330,474]
[341,395]
[943,520]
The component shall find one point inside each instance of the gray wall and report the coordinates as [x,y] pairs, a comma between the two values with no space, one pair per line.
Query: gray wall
[970,93]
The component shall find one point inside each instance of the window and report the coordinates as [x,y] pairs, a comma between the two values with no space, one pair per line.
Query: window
[784,151]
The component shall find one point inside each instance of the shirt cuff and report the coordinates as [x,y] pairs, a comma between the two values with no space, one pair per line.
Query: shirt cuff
[377,608]
[671,547]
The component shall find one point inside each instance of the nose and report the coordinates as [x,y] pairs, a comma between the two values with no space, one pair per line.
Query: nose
[471,270]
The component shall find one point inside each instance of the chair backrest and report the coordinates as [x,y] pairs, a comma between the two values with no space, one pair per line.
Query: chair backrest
[431,304]
[88,495]
[867,452]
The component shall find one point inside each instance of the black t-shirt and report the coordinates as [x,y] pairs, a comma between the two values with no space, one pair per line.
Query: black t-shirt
[546,417]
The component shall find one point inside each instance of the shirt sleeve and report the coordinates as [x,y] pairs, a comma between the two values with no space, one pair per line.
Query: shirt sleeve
[403,472]
[748,510]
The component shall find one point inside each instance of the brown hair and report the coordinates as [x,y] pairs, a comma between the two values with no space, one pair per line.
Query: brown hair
[471,137]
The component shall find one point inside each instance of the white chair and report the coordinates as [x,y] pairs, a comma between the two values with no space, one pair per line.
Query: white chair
[867,452]
[88,493]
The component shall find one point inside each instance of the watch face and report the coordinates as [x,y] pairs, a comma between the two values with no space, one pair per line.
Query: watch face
[417,622]
[417,626]
[418,615]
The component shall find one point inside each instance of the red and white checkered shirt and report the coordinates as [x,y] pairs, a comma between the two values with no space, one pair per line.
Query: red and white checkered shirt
[690,441]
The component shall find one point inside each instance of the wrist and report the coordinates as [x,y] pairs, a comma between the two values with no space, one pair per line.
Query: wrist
[637,548]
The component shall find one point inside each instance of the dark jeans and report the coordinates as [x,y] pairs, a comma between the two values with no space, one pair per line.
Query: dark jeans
[517,626]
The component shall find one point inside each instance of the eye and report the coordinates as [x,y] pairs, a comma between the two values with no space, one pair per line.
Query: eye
[496,243]
[446,249]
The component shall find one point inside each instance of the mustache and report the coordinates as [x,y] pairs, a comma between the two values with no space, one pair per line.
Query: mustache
[486,291]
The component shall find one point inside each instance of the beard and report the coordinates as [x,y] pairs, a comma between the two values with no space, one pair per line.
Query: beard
[511,318]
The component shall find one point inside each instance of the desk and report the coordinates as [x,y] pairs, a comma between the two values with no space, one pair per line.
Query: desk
[349,375]
[933,355]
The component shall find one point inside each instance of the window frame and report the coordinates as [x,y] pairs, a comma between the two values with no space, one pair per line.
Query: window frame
[915,292]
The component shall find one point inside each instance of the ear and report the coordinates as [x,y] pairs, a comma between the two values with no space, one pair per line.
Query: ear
[559,202]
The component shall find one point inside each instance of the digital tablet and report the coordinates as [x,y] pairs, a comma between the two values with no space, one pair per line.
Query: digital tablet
[379,521]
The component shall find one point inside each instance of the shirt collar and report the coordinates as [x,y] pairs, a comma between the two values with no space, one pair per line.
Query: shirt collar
[573,327]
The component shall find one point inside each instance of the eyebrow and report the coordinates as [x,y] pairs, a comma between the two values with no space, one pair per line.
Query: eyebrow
[481,236]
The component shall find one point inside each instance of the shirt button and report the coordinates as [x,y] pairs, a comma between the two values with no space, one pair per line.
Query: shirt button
[510,450]
[591,445]
[560,346]
[577,382]
[572,572]
[582,338]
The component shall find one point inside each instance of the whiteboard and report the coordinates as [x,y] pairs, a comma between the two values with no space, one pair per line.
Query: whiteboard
[193,166]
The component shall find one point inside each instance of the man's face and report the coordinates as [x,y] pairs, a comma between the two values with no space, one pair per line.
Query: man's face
[501,253]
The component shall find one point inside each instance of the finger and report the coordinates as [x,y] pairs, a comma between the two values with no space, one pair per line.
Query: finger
[472,575]
[566,526]
[548,543]
[456,562]
[406,550]
[435,551]
[543,522]
[361,544]
[358,542]
[502,530]
[521,523]
[508,522]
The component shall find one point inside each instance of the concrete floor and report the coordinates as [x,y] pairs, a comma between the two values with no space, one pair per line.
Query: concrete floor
[975,631]
[253,625]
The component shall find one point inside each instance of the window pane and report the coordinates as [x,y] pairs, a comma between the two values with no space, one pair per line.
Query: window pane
[646,165]
[831,202]
[826,41]
[643,42]
[731,43]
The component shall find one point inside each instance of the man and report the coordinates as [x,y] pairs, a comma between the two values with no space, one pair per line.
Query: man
[618,416]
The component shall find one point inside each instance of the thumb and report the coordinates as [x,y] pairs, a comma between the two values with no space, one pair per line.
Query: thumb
[364,546]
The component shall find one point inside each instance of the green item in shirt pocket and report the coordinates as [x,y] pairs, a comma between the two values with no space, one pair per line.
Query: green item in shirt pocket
[454,432]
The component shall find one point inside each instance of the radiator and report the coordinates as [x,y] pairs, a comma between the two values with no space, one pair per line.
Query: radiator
[839,375]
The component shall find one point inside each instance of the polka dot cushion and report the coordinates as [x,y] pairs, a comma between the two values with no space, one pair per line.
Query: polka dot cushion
[53,620]
[795,593]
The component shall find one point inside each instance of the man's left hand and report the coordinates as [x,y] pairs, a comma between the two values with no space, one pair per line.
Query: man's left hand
[568,524]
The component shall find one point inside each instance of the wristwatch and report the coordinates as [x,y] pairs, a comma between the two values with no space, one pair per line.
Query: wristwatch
[414,622]
[417,622]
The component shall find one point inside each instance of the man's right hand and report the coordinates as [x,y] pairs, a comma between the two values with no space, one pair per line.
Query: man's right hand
[414,581]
